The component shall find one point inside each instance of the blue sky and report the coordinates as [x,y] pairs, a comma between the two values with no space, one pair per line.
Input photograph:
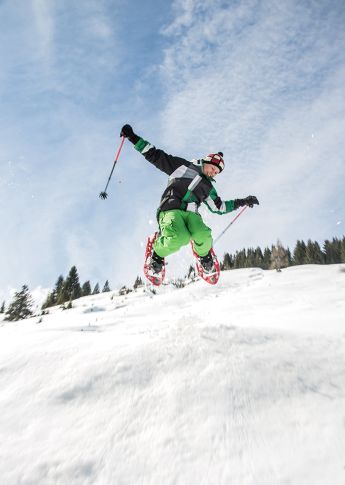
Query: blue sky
[261,81]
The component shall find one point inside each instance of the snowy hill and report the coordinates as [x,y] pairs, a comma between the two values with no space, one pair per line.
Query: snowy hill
[242,383]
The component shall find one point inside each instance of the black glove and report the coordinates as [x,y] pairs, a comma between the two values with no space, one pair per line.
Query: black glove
[250,201]
[127,132]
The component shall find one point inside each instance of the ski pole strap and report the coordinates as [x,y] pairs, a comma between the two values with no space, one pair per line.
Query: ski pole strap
[230,224]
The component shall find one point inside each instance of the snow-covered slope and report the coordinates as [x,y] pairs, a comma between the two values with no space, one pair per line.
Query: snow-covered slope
[242,383]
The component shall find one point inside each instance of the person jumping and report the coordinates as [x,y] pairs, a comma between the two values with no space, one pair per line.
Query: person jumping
[189,184]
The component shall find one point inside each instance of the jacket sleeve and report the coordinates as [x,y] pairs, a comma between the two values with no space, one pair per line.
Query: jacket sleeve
[216,205]
[167,163]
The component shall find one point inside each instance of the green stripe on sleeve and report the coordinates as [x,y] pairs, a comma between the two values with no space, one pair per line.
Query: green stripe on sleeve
[141,144]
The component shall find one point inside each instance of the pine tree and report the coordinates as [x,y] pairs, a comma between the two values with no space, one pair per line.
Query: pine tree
[124,291]
[54,296]
[258,258]
[332,251]
[342,250]
[289,257]
[50,301]
[96,289]
[267,258]
[86,288]
[58,288]
[314,254]
[250,260]
[240,259]
[138,283]
[63,295]
[21,307]
[106,287]
[336,244]
[2,309]
[227,262]
[72,285]
[299,254]
[327,251]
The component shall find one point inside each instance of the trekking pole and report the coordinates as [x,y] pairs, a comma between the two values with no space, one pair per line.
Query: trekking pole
[104,195]
[231,223]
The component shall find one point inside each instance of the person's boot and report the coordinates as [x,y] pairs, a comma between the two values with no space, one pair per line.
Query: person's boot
[156,263]
[207,263]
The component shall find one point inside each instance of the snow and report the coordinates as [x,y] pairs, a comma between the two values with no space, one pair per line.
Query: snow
[242,383]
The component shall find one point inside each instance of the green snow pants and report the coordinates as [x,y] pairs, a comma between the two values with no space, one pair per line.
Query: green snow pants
[177,228]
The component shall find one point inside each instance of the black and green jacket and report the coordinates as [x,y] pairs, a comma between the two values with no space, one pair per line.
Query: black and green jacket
[187,185]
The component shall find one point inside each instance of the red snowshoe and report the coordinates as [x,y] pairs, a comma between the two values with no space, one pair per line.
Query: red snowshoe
[155,278]
[212,277]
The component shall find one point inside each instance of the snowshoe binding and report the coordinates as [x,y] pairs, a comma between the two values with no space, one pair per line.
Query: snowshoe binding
[154,266]
[207,266]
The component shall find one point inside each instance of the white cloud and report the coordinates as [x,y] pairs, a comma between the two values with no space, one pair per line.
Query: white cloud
[44,22]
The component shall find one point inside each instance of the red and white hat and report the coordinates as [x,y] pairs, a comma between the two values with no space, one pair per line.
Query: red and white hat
[215,159]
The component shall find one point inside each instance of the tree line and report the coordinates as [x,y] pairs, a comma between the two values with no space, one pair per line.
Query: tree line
[65,291]
[278,256]
[69,289]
